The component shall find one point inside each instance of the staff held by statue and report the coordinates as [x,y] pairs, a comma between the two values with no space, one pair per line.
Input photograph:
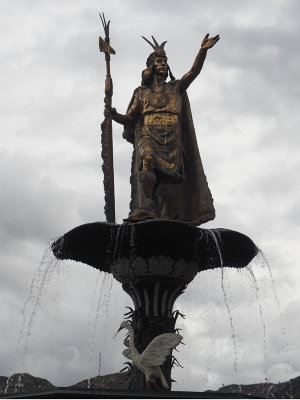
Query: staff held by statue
[106,129]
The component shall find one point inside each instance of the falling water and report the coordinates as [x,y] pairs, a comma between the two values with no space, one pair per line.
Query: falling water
[262,320]
[92,345]
[100,273]
[115,252]
[250,286]
[110,243]
[119,235]
[196,244]
[263,260]
[103,302]
[132,242]
[92,321]
[49,264]
[235,364]
[123,236]
[107,295]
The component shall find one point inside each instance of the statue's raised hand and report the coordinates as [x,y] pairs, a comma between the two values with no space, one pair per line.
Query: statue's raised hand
[208,43]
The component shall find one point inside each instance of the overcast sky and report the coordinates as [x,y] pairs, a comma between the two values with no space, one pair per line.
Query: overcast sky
[245,106]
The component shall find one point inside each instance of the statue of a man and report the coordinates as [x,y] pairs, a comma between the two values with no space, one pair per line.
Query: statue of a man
[167,177]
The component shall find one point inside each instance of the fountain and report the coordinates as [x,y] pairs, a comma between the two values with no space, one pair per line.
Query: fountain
[155,261]
[159,248]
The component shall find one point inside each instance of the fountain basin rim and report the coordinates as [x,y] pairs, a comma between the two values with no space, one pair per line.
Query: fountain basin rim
[100,244]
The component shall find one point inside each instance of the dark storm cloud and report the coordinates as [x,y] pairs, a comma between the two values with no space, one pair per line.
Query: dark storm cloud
[27,200]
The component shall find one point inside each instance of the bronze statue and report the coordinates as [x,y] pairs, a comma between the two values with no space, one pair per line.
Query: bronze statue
[167,177]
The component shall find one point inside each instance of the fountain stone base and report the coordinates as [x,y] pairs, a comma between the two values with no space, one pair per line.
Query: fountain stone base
[154,261]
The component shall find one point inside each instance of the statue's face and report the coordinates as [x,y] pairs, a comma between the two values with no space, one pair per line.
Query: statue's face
[160,65]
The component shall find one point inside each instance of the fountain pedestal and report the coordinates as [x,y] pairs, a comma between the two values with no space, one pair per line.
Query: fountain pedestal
[154,261]
[153,284]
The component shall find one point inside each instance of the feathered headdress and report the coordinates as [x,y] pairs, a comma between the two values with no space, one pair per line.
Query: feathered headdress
[159,51]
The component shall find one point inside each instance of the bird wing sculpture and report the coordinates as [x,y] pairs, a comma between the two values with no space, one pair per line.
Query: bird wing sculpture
[127,353]
[158,350]
[153,356]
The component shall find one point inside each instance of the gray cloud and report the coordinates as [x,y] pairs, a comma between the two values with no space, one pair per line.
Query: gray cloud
[245,108]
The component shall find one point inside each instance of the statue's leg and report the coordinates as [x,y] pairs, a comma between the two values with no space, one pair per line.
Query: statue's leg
[166,198]
[148,177]
[148,180]
[148,183]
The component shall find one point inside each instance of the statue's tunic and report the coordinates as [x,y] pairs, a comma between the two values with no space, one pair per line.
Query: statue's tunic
[160,133]
[161,124]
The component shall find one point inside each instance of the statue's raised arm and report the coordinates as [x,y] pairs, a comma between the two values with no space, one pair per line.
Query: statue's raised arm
[207,43]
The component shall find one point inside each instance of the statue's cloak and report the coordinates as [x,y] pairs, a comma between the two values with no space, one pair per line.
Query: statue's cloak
[190,200]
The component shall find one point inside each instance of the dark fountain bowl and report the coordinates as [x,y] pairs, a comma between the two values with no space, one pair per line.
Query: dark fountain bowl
[101,244]
[154,260]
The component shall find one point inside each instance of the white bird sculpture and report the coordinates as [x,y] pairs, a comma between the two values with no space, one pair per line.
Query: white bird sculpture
[153,356]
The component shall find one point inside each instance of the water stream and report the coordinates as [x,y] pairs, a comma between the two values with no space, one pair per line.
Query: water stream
[101,313]
[253,291]
[93,343]
[263,264]
[132,247]
[115,251]
[262,260]
[216,241]
[49,264]
[256,288]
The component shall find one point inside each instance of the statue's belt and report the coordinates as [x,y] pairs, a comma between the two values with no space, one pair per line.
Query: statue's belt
[162,119]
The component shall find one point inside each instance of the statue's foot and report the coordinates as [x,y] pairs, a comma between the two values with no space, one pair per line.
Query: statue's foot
[142,214]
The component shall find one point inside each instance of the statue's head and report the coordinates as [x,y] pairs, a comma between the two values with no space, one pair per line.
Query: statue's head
[157,63]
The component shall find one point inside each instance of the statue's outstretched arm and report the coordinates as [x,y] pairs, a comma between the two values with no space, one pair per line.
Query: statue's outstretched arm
[207,43]
[120,118]
[129,117]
